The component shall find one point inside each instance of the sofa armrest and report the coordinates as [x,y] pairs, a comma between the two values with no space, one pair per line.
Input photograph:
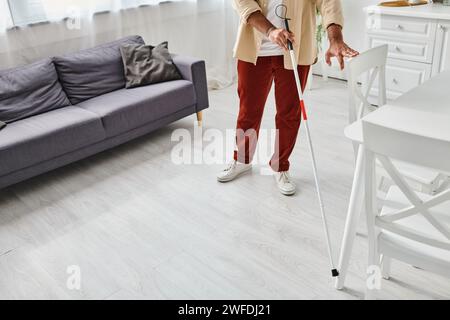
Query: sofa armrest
[194,70]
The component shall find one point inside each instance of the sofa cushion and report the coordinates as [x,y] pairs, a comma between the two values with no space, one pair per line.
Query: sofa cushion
[127,109]
[30,90]
[92,72]
[30,141]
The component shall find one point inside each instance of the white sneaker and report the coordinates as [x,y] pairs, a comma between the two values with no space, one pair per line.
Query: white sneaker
[285,183]
[234,170]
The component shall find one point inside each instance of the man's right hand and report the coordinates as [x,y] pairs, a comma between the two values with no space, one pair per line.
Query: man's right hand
[281,37]
[277,36]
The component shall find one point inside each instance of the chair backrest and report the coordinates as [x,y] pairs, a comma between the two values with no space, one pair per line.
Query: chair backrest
[371,63]
[386,139]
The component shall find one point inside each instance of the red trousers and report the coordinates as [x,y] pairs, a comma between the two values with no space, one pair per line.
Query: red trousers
[254,85]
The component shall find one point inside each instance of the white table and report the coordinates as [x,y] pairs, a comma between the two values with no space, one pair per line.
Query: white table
[424,111]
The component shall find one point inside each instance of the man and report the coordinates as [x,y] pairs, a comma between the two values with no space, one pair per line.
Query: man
[263,58]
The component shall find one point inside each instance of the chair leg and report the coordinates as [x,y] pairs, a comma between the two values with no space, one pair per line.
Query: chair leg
[373,282]
[386,267]
[374,278]
[200,118]
[380,182]
[353,215]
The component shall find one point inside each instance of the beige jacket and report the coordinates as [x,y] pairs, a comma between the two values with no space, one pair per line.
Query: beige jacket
[303,25]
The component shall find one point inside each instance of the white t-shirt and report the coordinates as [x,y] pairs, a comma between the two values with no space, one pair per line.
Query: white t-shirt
[268,48]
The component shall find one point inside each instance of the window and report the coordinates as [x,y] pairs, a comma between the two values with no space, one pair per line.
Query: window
[5,15]
[23,12]
[28,11]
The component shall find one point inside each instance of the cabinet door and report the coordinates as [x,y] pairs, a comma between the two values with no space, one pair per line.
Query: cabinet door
[408,50]
[441,59]
[401,76]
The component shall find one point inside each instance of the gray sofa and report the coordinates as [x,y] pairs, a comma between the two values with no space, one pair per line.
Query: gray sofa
[67,108]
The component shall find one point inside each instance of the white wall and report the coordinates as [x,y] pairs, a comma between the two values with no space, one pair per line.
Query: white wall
[355,21]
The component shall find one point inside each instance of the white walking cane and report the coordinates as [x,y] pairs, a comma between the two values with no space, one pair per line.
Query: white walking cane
[334,271]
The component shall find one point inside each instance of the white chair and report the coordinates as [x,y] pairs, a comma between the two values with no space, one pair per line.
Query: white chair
[412,227]
[373,64]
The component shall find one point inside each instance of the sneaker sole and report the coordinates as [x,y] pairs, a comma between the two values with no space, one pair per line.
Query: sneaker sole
[224,180]
[286,193]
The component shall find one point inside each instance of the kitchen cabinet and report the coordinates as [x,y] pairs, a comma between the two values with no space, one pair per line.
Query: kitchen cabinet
[419,43]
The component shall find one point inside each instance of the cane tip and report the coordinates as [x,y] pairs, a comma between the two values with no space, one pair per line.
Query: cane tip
[335,273]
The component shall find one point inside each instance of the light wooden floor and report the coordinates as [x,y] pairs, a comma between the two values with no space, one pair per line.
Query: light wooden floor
[141,227]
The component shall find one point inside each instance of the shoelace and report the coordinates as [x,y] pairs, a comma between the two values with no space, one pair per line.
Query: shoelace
[230,167]
[284,177]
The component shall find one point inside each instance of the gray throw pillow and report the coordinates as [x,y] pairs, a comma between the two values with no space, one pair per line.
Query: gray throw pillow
[146,65]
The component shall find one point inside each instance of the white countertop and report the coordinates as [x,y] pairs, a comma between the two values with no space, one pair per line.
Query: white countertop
[430,11]
[425,111]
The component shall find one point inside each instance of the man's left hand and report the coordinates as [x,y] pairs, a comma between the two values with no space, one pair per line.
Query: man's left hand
[338,48]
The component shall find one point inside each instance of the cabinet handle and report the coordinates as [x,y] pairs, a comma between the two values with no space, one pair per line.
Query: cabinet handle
[442,27]
[399,27]
[395,81]
[398,48]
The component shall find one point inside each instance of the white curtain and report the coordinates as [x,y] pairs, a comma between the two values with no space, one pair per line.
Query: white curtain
[25,12]
[201,28]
